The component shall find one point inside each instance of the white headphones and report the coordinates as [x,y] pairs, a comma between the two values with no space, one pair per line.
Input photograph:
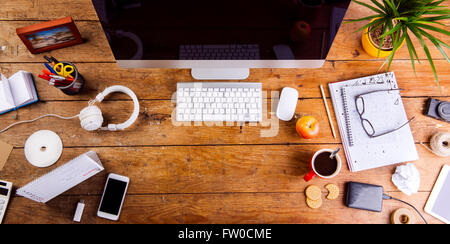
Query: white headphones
[91,117]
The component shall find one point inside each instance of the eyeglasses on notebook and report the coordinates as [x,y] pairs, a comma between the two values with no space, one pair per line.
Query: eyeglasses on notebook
[366,124]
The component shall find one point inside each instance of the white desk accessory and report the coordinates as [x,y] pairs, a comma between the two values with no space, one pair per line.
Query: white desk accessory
[363,152]
[43,148]
[287,104]
[439,201]
[79,211]
[91,117]
[5,193]
[62,178]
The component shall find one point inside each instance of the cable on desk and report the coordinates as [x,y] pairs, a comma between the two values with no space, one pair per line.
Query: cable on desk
[387,197]
[40,117]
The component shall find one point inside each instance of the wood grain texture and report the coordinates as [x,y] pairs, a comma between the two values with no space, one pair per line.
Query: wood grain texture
[213,169]
[155,126]
[240,208]
[201,174]
[161,84]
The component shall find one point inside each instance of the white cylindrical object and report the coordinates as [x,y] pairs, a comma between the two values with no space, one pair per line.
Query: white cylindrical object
[43,148]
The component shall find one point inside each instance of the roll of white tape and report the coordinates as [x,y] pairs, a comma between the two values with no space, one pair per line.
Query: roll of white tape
[440,144]
[43,148]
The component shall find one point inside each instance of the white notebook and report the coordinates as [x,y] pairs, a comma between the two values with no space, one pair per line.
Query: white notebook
[61,179]
[384,110]
[17,91]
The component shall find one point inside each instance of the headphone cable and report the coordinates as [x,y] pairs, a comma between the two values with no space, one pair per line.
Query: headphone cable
[40,117]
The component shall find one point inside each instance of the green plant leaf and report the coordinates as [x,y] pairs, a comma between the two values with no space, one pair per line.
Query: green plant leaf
[435,18]
[381,7]
[411,50]
[435,42]
[365,18]
[429,27]
[370,7]
[393,30]
[427,52]
[373,23]
[411,46]
[393,8]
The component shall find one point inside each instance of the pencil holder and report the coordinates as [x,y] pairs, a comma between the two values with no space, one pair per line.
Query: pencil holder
[78,82]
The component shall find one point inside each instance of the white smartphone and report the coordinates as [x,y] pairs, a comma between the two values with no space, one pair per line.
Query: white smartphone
[113,197]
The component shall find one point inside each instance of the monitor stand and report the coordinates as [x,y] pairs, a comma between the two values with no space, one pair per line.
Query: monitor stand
[220,73]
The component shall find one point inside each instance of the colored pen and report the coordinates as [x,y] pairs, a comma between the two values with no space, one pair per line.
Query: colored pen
[45,77]
[61,78]
[54,59]
[49,60]
[50,68]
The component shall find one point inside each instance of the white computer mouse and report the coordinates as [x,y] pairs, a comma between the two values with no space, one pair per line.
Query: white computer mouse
[287,104]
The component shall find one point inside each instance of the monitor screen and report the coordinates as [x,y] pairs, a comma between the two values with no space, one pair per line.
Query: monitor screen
[220,30]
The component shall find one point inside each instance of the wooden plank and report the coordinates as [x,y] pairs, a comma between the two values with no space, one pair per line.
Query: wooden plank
[215,169]
[245,208]
[161,83]
[95,47]
[47,10]
[155,126]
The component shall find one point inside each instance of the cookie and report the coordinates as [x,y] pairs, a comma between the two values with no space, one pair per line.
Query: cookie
[333,191]
[314,203]
[313,192]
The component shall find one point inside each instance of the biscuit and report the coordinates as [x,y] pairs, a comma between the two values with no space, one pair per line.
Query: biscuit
[314,203]
[333,191]
[313,192]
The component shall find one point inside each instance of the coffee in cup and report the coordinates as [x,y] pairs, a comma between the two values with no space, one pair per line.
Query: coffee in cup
[323,166]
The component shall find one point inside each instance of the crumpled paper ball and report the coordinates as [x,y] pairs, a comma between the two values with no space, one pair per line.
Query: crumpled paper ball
[407,179]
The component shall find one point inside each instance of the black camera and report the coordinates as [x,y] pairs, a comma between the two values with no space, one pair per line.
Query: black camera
[438,109]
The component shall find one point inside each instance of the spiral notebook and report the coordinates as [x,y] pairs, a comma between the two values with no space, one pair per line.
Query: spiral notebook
[63,178]
[385,110]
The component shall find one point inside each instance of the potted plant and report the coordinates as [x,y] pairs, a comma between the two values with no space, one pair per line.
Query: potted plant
[396,21]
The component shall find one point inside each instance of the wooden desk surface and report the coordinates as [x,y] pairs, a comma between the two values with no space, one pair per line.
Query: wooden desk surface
[201,174]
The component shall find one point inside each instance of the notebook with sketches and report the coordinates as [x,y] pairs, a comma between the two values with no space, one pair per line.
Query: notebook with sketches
[62,178]
[17,91]
[384,110]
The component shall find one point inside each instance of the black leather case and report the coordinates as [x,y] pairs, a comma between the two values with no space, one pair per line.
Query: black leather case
[364,196]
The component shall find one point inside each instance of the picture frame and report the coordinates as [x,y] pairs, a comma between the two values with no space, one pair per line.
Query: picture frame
[50,35]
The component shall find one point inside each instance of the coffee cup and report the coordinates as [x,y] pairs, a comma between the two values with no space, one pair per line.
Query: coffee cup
[323,166]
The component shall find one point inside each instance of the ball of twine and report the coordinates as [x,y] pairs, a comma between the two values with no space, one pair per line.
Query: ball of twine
[440,144]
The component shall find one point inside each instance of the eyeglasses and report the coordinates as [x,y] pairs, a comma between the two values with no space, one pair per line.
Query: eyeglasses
[366,124]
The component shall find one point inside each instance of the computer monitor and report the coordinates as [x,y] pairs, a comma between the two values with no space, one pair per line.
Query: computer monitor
[220,39]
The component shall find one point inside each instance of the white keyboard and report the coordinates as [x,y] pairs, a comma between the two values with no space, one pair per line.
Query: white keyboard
[219,101]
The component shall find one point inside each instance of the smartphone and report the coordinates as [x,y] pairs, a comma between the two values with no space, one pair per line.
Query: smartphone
[113,197]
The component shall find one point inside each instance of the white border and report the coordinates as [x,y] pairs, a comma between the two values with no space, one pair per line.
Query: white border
[108,215]
[435,193]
